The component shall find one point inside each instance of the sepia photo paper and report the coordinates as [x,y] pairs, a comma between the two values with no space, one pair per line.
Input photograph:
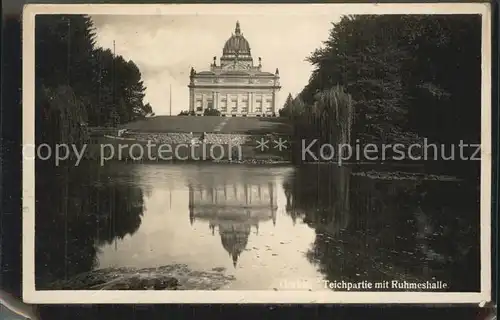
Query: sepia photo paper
[257,153]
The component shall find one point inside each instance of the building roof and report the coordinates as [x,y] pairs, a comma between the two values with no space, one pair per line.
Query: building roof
[236,61]
[237,44]
[237,73]
[205,73]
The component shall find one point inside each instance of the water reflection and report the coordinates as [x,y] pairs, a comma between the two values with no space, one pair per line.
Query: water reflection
[264,225]
[233,210]
[77,211]
[376,230]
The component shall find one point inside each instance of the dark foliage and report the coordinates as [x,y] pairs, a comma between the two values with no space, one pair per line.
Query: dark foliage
[410,77]
[211,112]
[78,83]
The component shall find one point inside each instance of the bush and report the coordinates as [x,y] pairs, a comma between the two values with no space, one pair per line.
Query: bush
[186,113]
[211,112]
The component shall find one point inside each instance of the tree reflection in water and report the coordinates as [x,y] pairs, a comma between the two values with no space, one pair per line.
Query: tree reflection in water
[365,229]
[374,230]
[93,211]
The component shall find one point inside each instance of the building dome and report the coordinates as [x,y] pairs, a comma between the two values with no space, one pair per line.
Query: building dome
[234,238]
[237,44]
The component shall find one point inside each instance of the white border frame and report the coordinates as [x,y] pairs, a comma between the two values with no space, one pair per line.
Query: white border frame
[31,295]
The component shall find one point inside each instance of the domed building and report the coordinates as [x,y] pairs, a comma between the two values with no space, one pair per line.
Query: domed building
[235,86]
[234,209]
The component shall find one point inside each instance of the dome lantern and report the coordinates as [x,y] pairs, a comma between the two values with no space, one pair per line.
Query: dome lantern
[237,30]
[236,44]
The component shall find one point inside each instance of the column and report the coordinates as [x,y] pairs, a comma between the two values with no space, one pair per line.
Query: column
[250,102]
[246,194]
[250,194]
[240,103]
[254,102]
[261,104]
[273,106]
[191,99]
[203,102]
[214,100]
[237,103]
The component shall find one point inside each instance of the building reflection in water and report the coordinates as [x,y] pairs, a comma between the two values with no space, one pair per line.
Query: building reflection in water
[233,209]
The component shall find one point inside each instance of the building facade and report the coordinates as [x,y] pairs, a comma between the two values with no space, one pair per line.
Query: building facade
[235,86]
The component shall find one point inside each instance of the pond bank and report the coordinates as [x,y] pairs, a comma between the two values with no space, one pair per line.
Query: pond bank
[169,277]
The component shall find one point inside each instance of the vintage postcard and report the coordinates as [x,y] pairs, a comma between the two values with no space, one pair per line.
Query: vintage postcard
[305,153]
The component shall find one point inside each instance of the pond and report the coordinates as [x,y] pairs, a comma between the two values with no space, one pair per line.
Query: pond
[267,227]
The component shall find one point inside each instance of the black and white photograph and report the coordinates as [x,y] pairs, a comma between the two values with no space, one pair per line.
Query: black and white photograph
[257,153]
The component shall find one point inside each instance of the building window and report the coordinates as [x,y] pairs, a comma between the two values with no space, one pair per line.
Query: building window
[258,105]
[268,104]
[244,105]
[199,106]
[234,105]
[223,105]
[210,104]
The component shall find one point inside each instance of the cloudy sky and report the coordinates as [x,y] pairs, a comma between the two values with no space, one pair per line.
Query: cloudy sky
[165,47]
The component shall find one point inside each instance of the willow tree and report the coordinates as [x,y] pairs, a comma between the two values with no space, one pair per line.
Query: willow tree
[63,116]
[329,119]
[336,112]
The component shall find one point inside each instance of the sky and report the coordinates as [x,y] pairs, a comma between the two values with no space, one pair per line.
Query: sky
[165,47]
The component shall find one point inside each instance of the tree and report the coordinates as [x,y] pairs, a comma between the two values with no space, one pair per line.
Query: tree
[77,84]
[109,87]
[148,109]
[119,89]
[394,65]
[287,109]
[403,83]
[63,116]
